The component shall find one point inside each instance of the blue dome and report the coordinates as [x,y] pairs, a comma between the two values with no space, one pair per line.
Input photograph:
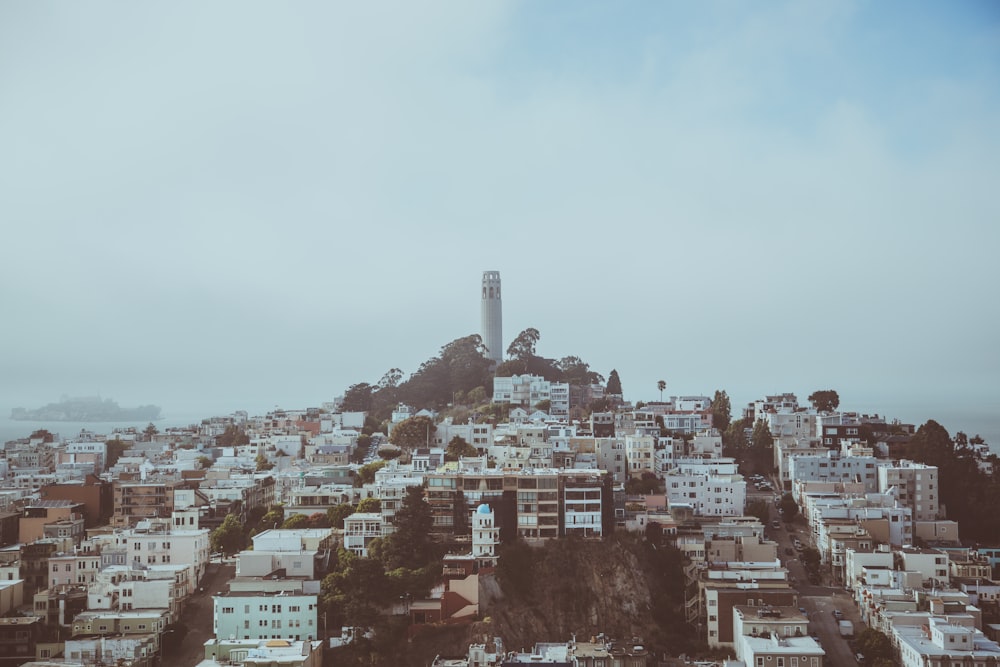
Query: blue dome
[484,509]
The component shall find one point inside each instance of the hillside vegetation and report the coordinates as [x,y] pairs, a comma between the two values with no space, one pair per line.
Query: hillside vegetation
[622,586]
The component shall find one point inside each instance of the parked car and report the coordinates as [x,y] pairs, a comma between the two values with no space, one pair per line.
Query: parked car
[837,614]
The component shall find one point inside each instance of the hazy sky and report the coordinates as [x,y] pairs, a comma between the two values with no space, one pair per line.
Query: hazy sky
[225,205]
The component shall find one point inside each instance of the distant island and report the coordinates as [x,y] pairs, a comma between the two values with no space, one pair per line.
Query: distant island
[86,409]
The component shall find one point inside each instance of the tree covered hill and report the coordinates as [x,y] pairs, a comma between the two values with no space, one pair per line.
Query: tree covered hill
[461,373]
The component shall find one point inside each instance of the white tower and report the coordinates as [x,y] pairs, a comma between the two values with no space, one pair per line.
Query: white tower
[492,316]
[485,536]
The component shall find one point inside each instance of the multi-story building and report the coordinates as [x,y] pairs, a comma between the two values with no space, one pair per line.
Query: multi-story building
[479,436]
[527,391]
[262,653]
[263,616]
[360,529]
[92,493]
[915,485]
[639,454]
[18,638]
[43,512]
[135,500]
[709,487]
[752,584]
[157,543]
[531,502]
[833,466]
[941,642]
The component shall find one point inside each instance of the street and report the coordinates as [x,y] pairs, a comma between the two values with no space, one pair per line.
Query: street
[818,601]
[198,617]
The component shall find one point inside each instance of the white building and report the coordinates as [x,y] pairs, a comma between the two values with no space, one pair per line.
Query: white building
[360,529]
[707,492]
[639,454]
[938,643]
[485,536]
[528,390]
[155,543]
[582,510]
[283,616]
[832,466]
[914,485]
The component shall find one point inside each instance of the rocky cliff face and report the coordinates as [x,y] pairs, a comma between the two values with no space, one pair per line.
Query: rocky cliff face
[571,587]
[621,586]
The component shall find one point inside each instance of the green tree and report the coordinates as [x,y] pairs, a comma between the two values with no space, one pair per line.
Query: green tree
[476,395]
[228,538]
[523,347]
[721,411]
[789,508]
[825,400]
[614,387]
[205,462]
[150,431]
[295,521]
[413,432]
[577,372]
[366,474]
[661,385]
[319,520]
[274,517]
[338,513]
[116,448]
[460,521]
[369,505]
[233,436]
[647,484]
[544,405]
[410,544]
[457,448]
[874,645]
[262,463]
[761,437]
[758,508]
[364,441]
[734,439]
[357,398]
[811,559]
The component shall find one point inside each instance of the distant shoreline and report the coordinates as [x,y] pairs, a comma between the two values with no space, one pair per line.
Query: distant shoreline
[89,409]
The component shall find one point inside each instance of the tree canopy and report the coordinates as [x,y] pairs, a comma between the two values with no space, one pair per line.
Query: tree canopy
[825,400]
[410,545]
[968,495]
[614,386]
[789,508]
[577,372]
[459,447]
[229,537]
[761,437]
[523,346]
[413,432]
[721,410]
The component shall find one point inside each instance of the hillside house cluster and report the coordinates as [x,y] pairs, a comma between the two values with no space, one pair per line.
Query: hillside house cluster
[101,547]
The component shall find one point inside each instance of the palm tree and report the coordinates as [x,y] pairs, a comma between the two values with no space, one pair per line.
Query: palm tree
[661,385]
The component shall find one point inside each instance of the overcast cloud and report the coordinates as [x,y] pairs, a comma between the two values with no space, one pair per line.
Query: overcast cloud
[212,206]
